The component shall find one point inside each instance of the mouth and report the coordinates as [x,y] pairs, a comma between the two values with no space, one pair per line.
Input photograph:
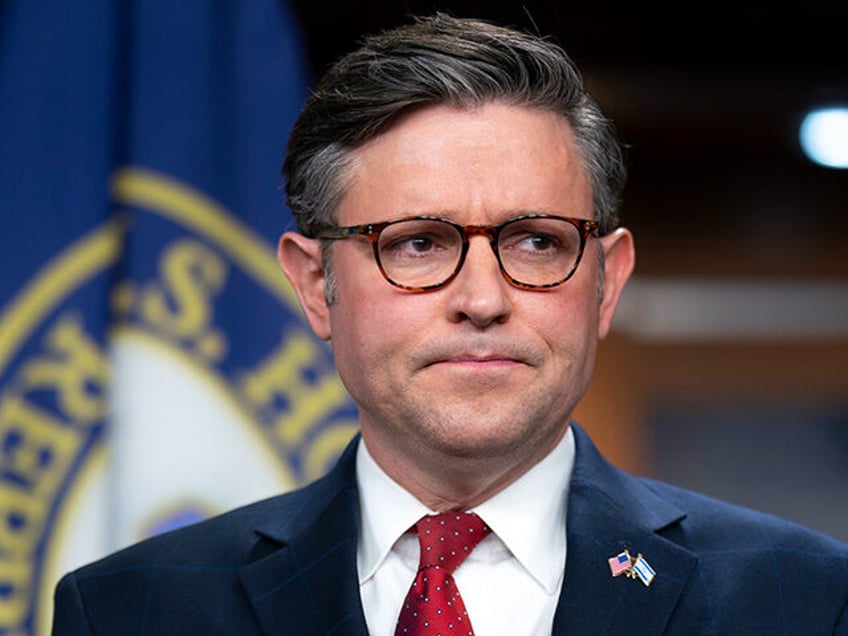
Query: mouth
[481,359]
[473,360]
[461,353]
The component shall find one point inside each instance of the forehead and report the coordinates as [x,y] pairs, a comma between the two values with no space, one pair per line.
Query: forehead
[482,163]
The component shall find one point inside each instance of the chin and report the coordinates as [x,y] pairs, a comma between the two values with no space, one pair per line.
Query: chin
[483,439]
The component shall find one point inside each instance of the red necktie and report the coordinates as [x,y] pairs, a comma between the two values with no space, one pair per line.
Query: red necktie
[433,605]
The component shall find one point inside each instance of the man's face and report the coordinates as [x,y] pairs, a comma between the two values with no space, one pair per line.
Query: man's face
[477,369]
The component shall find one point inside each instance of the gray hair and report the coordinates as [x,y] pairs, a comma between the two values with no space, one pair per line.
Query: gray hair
[440,60]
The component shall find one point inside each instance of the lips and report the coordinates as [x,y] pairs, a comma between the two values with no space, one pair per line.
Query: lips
[480,359]
[489,356]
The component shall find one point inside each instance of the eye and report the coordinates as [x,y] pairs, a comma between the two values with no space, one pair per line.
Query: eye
[540,242]
[420,244]
[531,242]
[418,239]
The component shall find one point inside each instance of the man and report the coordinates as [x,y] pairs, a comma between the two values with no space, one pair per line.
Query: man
[455,190]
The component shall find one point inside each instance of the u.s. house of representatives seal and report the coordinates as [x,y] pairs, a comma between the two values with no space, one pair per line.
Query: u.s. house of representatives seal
[155,372]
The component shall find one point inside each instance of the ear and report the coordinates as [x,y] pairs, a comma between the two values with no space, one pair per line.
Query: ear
[619,260]
[300,258]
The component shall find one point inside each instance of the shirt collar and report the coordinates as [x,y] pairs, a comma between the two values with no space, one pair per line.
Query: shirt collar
[528,516]
[387,512]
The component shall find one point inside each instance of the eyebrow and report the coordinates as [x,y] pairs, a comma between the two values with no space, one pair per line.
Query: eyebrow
[498,218]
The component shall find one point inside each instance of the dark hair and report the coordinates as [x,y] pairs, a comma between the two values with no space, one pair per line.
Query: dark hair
[448,61]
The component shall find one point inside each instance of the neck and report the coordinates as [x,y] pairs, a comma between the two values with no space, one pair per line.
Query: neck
[452,481]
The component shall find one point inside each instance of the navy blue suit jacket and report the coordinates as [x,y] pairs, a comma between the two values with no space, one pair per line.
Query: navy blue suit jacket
[287,566]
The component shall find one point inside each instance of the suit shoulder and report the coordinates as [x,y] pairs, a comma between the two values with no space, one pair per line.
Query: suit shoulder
[189,580]
[227,537]
[232,537]
[719,525]
[756,571]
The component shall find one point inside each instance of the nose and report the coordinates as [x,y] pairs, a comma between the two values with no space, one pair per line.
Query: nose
[479,294]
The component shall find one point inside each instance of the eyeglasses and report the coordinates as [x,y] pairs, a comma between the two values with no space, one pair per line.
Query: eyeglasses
[422,253]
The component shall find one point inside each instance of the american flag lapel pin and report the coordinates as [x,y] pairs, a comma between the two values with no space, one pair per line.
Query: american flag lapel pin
[621,563]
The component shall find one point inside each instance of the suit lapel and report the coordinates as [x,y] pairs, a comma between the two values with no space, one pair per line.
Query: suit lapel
[303,578]
[608,512]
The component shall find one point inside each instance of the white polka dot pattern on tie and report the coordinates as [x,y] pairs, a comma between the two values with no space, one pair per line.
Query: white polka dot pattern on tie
[433,606]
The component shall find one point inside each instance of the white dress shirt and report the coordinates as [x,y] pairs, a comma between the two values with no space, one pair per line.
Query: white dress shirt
[510,583]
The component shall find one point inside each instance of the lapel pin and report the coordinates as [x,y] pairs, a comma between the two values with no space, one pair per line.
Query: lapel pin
[632,567]
[642,570]
[620,563]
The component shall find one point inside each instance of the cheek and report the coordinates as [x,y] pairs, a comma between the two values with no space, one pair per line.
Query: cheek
[568,325]
[373,331]
[569,315]
[354,353]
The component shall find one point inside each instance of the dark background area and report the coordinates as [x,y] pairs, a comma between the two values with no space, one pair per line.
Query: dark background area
[708,99]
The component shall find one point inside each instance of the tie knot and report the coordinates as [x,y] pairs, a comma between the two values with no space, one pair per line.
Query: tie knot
[447,538]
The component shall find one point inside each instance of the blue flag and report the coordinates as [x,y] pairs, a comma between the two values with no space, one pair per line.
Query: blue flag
[154,366]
